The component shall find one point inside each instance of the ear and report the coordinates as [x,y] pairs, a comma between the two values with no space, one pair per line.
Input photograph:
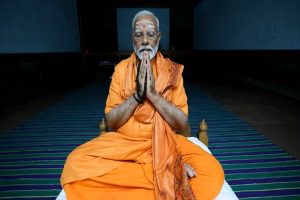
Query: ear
[158,36]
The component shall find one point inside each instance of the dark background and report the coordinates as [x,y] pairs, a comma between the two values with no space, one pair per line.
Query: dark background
[51,45]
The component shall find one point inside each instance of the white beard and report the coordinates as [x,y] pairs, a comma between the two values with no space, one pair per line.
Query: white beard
[140,52]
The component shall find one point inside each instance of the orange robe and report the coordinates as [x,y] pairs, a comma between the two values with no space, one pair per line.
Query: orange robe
[123,164]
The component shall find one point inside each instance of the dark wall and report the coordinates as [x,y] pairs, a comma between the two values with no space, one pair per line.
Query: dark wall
[100,31]
[24,75]
[181,27]
[39,26]
[99,27]
[244,25]
[39,47]
[253,42]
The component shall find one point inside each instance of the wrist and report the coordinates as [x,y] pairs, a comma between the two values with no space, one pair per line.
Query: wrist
[153,96]
[138,98]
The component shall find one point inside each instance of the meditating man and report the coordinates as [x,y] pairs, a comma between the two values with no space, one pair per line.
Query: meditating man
[143,157]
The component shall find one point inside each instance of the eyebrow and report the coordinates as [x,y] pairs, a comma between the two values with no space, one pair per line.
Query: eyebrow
[152,28]
[146,30]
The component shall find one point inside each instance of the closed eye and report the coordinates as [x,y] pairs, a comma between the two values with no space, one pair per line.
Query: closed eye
[151,34]
[138,34]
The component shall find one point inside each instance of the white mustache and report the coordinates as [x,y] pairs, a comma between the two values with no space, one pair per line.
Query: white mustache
[152,51]
[145,49]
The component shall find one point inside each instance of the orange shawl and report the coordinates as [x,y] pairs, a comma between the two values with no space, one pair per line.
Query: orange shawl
[99,156]
[170,180]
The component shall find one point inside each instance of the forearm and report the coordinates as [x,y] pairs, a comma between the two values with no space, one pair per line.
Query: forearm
[120,114]
[173,115]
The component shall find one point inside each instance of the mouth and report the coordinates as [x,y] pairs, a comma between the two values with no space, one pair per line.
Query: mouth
[145,50]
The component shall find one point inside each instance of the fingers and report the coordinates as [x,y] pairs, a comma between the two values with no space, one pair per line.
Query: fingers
[145,55]
[142,72]
[190,171]
[141,78]
[143,68]
[146,78]
[149,69]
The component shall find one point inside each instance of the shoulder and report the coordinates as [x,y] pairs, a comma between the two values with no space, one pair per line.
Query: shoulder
[176,70]
[174,66]
[178,67]
[121,68]
[122,65]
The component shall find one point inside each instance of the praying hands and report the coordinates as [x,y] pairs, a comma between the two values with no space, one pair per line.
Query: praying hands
[145,79]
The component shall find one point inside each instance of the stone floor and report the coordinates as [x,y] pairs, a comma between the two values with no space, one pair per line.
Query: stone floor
[275,116]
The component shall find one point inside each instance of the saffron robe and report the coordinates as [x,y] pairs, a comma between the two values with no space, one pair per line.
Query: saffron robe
[119,164]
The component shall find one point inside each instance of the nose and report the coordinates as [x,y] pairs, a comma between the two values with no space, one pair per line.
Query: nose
[145,40]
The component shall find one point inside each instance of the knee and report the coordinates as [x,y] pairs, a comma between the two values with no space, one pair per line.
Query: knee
[216,172]
[209,180]
[72,158]
[71,155]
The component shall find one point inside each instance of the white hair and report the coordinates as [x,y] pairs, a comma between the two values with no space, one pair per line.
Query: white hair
[143,13]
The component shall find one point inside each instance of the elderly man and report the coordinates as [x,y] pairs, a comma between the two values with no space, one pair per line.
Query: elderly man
[143,158]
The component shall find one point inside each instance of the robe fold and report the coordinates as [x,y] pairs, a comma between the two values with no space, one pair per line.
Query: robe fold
[144,158]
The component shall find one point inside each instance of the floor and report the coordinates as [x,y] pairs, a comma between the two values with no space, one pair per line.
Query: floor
[18,110]
[275,116]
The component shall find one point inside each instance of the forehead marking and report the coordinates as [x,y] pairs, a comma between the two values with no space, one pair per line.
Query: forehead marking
[145,27]
[144,22]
